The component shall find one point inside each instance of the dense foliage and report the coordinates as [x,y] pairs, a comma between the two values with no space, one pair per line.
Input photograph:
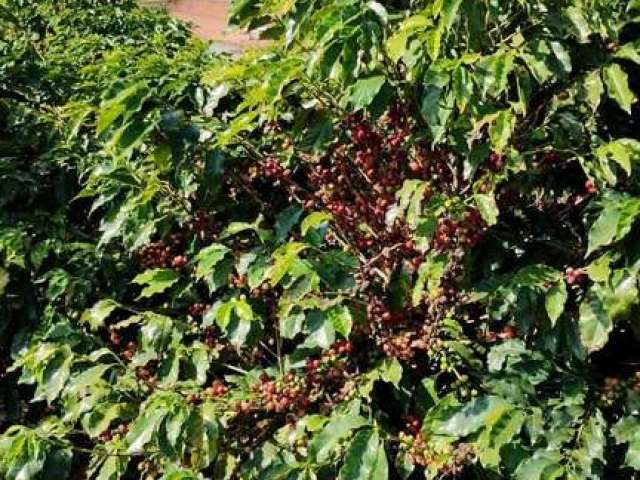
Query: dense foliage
[398,243]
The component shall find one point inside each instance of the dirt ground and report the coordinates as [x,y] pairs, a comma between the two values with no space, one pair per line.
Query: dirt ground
[209,19]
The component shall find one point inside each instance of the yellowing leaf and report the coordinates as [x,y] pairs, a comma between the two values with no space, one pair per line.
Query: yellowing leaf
[284,259]
[617,82]
[488,208]
[314,220]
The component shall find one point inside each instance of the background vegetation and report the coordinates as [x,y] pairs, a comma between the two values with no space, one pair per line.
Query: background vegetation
[399,243]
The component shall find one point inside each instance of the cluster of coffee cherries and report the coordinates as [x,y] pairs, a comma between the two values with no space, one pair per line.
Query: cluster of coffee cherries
[289,394]
[324,381]
[164,254]
[611,392]
[217,389]
[408,343]
[113,433]
[438,166]
[273,170]
[130,350]
[444,458]
[465,232]
[508,332]
[197,309]
[357,179]
[203,225]
[379,312]
[155,255]
[496,162]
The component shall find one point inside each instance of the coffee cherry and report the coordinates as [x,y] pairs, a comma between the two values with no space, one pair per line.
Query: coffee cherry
[115,338]
[496,162]
[179,261]
[575,275]
[509,332]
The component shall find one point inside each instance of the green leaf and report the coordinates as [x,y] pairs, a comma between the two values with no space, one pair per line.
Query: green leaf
[595,325]
[555,301]
[501,130]
[143,430]
[321,331]
[379,10]
[223,313]
[235,228]
[499,354]
[284,258]
[96,315]
[629,51]
[291,325]
[492,73]
[286,220]
[397,43]
[207,442]
[600,269]
[314,220]
[621,295]
[365,459]
[541,466]
[617,83]
[156,280]
[365,90]
[488,208]
[495,436]
[580,23]
[594,89]
[462,87]
[338,428]
[429,276]
[627,430]
[391,371]
[473,416]
[340,318]
[614,222]
[208,258]
[624,151]
[4,280]
[436,108]
[588,459]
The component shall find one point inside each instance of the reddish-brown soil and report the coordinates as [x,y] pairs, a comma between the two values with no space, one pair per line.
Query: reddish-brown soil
[209,20]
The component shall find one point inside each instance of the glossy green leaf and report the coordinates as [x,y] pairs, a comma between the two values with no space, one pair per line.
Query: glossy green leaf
[488,208]
[314,220]
[595,324]
[555,301]
[365,459]
[365,90]
[155,281]
[338,428]
[475,415]
[209,257]
[96,315]
[340,318]
[617,82]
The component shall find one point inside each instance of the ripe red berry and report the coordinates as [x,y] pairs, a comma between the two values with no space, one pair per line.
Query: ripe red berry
[179,261]
[509,331]
[115,337]
[575,275]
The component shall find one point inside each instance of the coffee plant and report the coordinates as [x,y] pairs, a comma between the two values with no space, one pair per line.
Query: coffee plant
[399,242]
